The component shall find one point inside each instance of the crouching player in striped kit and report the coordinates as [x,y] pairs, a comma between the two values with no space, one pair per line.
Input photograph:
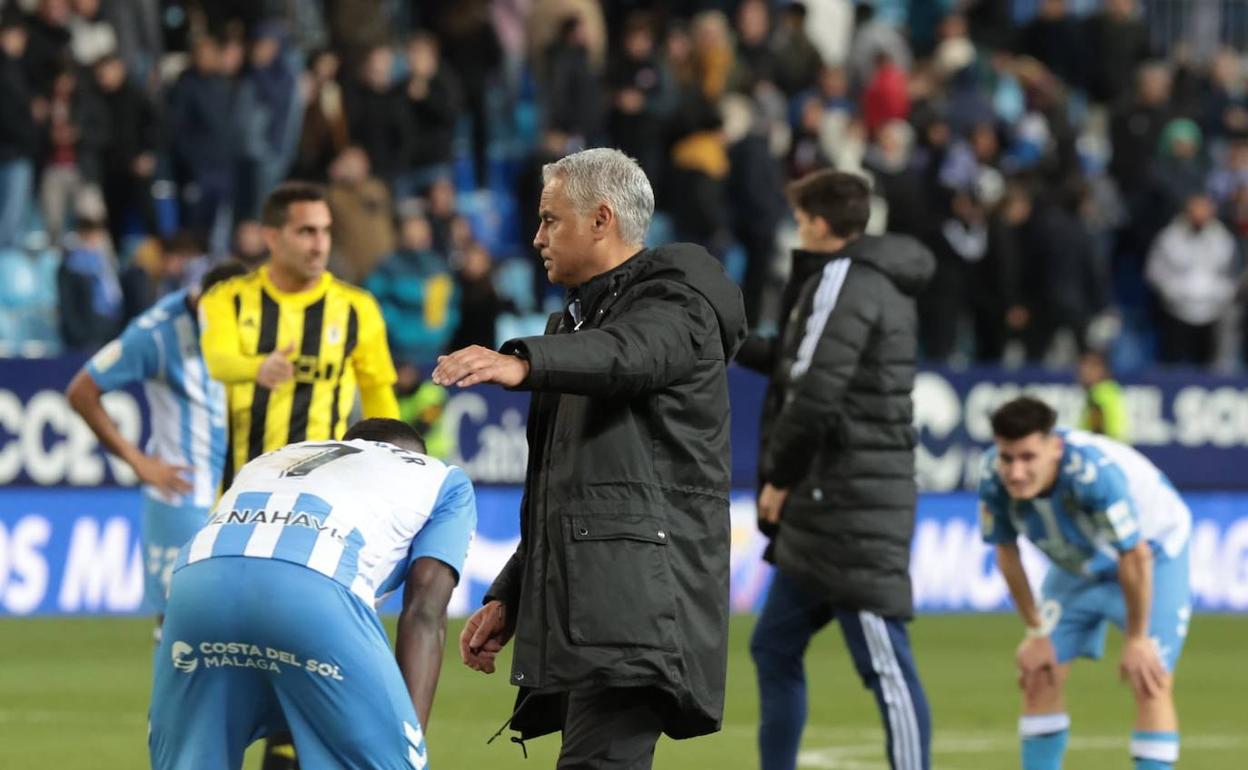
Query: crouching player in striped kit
[270,625]
[1117,534]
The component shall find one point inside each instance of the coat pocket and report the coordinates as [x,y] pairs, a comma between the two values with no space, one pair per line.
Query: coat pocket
[619,582]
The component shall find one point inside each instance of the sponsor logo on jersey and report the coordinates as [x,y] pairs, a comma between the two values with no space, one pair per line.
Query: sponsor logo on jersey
[182,657]
[247,655]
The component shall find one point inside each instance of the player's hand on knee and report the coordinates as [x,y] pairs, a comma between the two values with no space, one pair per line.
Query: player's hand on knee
[484,635]
[1141,667]
[1036,658]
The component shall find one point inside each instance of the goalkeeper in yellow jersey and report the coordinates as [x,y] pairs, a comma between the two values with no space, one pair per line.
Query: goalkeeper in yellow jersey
[292,343]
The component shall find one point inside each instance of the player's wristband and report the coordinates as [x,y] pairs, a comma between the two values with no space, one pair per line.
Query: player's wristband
[1050,612]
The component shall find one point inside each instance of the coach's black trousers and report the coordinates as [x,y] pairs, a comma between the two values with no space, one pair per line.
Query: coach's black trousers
[611,729]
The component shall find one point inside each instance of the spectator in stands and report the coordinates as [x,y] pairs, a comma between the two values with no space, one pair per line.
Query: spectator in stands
[19,136]
[92,37]
[377,116]
[177,263]
[273,78]
[472,50]
[248,247]
[442,215]
[418,296]
[756,59]
[1224,108]
[807,152]
[990,23]
[141,36]
[572,88]
[363,227]
[1135,130]
[48,50]
[480,305]
[1179,170]
[325,131]
[1053,38]
[642,95]
[885,97]
[128,154]
[874,36]
[434,102]
[797,59]
[1119,38]
[1192,268]
[138,276]
[1232,174]
[755,194]
[970,287]
[888,159]
[73,128]
[1060,286]
[699,153]
[204,137]
[966,103]
[88,286]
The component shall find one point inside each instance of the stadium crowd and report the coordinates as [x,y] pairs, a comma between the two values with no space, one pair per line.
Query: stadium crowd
[1082,184]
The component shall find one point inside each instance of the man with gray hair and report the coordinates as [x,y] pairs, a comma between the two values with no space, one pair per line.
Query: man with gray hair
[617,595]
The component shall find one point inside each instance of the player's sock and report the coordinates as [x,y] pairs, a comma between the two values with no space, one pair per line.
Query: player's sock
[1044,740]
[1154,750]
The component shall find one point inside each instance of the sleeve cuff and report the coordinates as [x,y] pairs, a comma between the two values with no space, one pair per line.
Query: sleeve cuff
[522,347]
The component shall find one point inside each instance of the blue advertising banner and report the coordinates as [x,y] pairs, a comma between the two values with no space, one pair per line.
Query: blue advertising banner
[77,551]
[1194,426]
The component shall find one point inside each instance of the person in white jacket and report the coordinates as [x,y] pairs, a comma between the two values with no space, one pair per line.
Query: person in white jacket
[1192,266]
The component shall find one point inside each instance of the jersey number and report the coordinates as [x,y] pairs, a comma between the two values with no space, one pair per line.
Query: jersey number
[309,464]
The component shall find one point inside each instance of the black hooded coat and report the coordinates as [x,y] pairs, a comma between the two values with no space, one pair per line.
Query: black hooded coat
[621,575]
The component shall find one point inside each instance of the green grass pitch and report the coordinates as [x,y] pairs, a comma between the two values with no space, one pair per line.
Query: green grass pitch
[73,694]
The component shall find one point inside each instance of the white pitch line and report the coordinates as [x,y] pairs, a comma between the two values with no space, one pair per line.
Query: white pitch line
[870,756]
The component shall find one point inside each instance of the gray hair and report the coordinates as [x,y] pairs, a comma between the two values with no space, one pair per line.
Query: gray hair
[605,175]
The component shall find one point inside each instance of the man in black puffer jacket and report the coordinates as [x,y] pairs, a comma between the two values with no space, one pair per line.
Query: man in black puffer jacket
[617,595]
[837,467]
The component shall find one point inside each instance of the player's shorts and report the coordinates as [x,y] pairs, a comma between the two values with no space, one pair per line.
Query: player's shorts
[257,646]
[165,529]
[1088,605]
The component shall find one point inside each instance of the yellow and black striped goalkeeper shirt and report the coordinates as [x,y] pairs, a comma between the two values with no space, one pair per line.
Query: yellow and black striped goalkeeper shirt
[339,341]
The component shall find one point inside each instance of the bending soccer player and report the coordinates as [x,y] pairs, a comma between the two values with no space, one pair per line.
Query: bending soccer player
[181,467]
[1117,534]
[293,345]
[270,625]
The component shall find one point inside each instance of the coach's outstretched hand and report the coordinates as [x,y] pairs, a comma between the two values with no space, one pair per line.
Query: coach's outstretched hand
[1141,667]
[476,364]
[483,636]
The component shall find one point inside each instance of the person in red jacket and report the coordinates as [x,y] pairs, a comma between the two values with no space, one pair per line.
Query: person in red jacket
[886,96]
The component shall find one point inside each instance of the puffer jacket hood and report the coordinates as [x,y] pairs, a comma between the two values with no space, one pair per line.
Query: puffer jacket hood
[906,262]
[692,265]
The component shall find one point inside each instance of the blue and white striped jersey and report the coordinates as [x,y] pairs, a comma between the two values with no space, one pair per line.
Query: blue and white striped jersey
[359,512]
[187,407]
[1107,497]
